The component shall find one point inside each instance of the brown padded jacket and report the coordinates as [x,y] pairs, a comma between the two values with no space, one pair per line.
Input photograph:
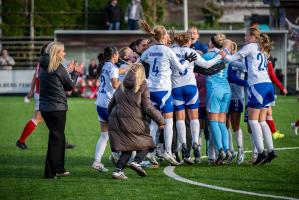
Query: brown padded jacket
[128,128]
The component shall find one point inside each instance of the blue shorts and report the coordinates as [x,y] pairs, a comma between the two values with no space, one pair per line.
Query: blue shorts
[162,100]
[103,115]
[260,95]
[218,100]
[235,106]
[185,96]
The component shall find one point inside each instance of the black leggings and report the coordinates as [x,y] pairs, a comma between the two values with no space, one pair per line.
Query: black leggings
[125,157]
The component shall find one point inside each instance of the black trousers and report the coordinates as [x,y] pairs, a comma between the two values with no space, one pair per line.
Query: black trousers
[125,157]
[55,122]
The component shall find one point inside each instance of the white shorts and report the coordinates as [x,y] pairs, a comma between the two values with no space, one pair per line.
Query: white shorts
[36,101]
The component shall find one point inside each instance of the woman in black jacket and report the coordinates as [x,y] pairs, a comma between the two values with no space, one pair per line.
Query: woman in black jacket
[55,80]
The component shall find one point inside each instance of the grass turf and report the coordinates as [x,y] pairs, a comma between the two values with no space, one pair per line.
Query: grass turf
[21,172]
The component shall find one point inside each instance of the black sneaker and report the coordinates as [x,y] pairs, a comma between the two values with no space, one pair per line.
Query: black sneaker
[196,150]
[221,157]
[270,157]
[23,146]
[69,146]
[260,158]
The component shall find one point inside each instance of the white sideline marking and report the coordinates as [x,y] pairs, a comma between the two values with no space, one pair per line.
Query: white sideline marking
[169,171]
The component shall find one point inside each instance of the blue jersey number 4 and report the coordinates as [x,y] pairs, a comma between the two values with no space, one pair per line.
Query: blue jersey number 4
[155,68]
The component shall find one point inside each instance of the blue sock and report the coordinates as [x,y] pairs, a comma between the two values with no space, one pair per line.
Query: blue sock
[224,134]
[216,133]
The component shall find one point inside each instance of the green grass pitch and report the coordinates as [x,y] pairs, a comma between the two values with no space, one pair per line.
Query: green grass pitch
[21,171]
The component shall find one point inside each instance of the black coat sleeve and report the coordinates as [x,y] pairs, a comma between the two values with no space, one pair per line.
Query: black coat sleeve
[68,80]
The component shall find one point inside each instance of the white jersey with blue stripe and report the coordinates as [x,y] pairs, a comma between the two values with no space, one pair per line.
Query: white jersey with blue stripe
[188,77]
[161,59]
[178,78]
[106,89]
[256,63]
[236,90]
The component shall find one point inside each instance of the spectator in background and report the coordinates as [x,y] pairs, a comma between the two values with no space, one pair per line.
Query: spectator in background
[6,61]
[92,78]
[133,14]
[196,44]
[112,15]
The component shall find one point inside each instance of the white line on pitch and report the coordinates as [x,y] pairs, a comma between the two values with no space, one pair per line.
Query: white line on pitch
[169,171]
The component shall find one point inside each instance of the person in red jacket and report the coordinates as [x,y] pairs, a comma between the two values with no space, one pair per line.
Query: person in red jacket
[270,121]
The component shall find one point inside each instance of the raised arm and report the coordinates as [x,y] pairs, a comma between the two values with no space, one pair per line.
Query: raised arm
[200,61]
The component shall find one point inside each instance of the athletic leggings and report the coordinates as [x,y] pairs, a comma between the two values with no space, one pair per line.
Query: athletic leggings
[125,157]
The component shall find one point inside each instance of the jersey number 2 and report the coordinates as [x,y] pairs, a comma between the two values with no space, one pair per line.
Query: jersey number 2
[102,84]
[263,63]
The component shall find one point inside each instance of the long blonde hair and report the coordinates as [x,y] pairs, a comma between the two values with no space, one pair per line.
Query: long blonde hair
[262,39]
[54,60]
[232,46]
[138,70]
[158,32]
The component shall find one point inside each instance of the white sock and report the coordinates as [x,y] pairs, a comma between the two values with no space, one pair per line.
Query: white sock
[257,135]
[194,129]
[239,139]
[253,147]
[101,146]
[267,135]
[230,141]
[200,137]
[211,152]
[181,131]
[132,156]
[153,131]
[168,134]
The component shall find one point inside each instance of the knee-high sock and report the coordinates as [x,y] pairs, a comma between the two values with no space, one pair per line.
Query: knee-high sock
[28,129]
[216,133]
[267,136]
[194,128]
[101,146]
[230,140]
[271,124]
[257,135]
[211,150]
[153,131]
[239,139]
[168,134]
[253,147]
[181,131]
[224,135]
[201,133]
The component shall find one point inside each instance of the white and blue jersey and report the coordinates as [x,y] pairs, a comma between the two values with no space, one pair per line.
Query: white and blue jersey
[237,82]
[106,90]
[218,90]
[161,58]
[184,88]
[260,91]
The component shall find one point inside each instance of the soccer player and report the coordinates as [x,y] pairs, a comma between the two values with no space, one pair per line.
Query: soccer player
[294,126]
[270,121]
[196,44]
[31,124]
[108,83]
[236,78]
[217,100]
[260,92]
[185,93]
[160,58]
[127,57]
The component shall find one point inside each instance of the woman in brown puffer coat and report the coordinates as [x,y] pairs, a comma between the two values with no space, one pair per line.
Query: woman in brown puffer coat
[128,129]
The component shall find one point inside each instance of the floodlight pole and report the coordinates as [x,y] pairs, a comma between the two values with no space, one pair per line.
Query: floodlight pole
[185,15]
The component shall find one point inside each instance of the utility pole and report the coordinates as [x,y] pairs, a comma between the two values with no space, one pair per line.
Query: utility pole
[185,15]
[86,14]
[31,32]
[1,23]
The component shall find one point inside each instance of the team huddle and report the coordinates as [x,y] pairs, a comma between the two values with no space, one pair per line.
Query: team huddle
[162,101]
[227,76]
